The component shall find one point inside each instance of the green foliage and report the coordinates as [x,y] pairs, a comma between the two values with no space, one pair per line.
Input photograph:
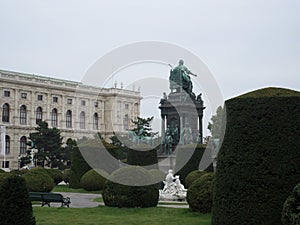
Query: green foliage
[38,180]
[119,195]
[15,206]
[141,156]
[200,194]
[188,160]
[2,171]
[291,208]
[258,162]
[192,176]
[67,175]
[142,126]
[48,141]
[93,180]
[78,167]
[56,175]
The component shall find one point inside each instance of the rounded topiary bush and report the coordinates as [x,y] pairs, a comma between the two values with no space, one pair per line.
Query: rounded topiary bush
[258,162]
[291,208]
[15,206]
[121,195]
[200,193]
[56,175]
[66,175]
[37,181]
[192,176]
[93,180]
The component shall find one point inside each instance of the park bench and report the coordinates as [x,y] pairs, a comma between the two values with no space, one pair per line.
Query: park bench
[47,197]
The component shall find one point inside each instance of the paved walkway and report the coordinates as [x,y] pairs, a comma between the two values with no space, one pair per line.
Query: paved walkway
[80,200]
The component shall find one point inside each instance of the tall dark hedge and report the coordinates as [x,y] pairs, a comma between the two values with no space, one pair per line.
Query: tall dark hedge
[188,159]
[141,157]
[258,163]
[15,206]
[79,166]
[291,208]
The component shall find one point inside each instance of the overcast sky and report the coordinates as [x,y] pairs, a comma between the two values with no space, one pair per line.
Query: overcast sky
[246,44]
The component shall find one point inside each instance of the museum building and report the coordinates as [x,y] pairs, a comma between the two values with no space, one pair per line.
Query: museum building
[77,110]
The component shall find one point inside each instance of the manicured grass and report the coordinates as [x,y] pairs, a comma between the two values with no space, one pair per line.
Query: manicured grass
[119,216]
[65,188]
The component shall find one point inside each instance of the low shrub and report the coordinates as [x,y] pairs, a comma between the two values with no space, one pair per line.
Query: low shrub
[93,180]
[291,208]
[200,194]
[66,175]
[56,175]
[38,181]
[192,176]
[121,195]
[15,206]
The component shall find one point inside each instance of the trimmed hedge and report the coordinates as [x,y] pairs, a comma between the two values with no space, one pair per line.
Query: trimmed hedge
[38,180]
[67,175]
[15,206]
[192,176]
[291,208]
[56,175]
[120,195]
[200,194]
[258,162]
[78,167]
[93,180]
[141,157]
[188,159]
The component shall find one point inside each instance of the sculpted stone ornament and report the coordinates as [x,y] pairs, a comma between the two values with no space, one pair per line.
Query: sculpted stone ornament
[186,135]
[173,189]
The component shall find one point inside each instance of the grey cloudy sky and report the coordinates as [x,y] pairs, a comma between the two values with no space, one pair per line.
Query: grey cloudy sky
[246,44]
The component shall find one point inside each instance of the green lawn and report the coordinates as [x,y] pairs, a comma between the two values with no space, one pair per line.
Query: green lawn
[119,216]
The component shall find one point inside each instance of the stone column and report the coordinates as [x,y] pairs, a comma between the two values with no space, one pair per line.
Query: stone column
[163,125]
[200,129]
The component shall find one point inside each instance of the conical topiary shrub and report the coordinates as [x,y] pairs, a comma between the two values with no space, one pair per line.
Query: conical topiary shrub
[258,162]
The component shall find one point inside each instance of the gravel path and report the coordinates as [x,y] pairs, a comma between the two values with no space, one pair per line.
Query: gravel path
[80,200]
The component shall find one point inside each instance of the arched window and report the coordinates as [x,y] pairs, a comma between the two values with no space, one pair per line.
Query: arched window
[5,113]
[95,121]
[82,120]
[7,144]
[38,115]
[54,117]
[125,122]
[23,115]
[23,142]
[69,119]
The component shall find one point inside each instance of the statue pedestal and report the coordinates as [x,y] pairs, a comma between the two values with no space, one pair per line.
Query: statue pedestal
[166,162]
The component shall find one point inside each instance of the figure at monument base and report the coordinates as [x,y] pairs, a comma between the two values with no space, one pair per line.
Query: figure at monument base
[173,189]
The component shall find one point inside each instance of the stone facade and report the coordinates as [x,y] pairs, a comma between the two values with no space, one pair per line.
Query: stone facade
[76,109]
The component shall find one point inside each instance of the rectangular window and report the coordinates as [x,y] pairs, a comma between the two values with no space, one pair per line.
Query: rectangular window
[126,106]
[24,95]
[40,97]
[96,104]
[55,99]
[6,93]
[69,101]
[82,102]
[5,164]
